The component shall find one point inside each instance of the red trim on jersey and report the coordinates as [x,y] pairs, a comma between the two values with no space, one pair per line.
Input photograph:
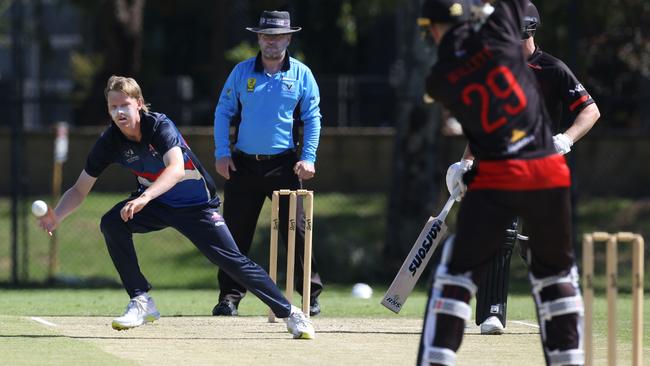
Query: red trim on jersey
[578,102]
[534,66]
[522,175]
[153,176]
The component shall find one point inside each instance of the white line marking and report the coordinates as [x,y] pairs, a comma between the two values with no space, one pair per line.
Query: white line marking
[43,321]
[525,323]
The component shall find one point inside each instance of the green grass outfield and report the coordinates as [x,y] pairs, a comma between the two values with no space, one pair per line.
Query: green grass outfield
[349,232]
[23,341]
[185,291]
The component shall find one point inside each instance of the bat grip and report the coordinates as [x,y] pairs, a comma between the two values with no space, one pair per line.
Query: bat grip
[455,193]
[447,207]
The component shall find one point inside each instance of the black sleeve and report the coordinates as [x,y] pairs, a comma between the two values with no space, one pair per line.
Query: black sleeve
[101,155]
[574,96]
[165,137]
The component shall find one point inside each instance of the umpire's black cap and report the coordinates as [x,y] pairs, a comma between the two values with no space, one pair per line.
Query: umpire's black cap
[446,11]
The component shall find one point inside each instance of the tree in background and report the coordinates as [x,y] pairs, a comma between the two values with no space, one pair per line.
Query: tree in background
[614,48]
[414,182]
[117,26]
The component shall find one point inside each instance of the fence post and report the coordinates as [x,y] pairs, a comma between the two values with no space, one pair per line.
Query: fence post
[60,156]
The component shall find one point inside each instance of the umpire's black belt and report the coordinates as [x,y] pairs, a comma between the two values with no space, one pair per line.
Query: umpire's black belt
[261,157]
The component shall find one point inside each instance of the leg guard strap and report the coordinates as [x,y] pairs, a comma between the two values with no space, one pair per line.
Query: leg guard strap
[445,279]
[539,283]
[560,311]
[442,356]
[561,306]
[567,357]
[452,307]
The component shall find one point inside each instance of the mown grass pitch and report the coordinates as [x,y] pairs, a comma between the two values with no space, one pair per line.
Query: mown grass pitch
[349,331]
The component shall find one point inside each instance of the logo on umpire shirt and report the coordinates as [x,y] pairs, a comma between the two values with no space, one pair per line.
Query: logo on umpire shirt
[287,84]
[250,84]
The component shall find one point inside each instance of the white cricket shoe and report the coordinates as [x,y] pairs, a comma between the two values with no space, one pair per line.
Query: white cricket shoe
[298,324]
[141,310]
[492,325]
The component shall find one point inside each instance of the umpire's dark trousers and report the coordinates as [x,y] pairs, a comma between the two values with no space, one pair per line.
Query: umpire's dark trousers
[208,232]
[244,195]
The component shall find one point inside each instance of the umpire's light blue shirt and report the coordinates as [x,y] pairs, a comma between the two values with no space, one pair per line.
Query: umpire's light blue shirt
[266,103]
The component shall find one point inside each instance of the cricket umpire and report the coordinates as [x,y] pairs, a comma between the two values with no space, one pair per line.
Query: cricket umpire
[573,113]
[266,97]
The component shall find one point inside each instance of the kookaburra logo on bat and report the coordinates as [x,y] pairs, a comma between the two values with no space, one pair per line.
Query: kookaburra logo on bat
[425,247]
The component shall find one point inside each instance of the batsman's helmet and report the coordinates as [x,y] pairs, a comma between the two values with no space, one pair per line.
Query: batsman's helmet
[530,22]
[445,11]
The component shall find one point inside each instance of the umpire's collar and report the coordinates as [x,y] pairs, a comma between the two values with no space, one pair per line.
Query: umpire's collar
[259,67]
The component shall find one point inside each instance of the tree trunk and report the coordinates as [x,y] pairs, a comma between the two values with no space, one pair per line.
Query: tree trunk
[219,38]
[414,184]
[121,25]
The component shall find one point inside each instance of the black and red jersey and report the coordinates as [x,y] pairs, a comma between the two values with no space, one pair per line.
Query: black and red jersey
[483,78]
[564,95]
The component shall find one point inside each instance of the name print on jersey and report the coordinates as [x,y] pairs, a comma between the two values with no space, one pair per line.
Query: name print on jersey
[474,63]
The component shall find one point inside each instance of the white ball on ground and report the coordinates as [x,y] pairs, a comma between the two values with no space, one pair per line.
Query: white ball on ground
[39,208]
[361,291]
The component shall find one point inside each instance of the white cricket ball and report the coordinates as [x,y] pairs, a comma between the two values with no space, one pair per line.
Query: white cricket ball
[39,208]
[361,291]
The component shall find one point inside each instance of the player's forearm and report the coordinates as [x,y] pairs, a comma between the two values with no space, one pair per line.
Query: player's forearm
[74,196]
[583,122]
[69,202]
[167,179]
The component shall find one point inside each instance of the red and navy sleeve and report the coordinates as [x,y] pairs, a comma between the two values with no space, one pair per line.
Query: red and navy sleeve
[101,155]
[166,136]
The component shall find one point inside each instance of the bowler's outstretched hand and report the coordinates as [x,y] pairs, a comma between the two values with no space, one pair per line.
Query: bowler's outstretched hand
[49,222]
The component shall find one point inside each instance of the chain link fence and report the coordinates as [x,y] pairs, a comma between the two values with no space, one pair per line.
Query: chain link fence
[348,234]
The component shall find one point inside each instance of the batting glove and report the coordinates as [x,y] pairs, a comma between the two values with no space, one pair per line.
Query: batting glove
[562,143]
[455,177]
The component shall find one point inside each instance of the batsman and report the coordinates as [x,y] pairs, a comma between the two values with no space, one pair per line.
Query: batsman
[483,78]
[573,113]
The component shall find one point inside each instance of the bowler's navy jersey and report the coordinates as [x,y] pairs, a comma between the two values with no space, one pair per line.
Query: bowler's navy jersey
[145,160]
[482,77]
[564,95]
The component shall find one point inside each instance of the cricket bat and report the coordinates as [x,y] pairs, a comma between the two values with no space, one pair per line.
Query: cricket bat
[417,259]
